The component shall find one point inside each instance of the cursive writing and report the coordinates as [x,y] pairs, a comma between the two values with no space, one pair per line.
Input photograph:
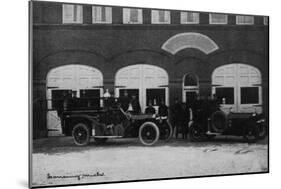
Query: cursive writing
[79,177]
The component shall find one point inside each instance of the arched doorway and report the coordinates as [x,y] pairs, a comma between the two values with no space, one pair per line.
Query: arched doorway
[190,88]
[147,82]
[85,80]
[238,88]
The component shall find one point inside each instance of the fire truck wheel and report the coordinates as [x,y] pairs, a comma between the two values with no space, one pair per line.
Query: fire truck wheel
[263,131]
[149,133]
[251,133]
[81,134]
[196,133]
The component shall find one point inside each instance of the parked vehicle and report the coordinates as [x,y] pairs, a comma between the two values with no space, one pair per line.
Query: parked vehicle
[113,122]
[211,121]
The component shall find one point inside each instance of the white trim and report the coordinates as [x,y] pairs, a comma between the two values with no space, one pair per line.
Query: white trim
[196,21]
[189,40]
[244,23]
[186,88]
[213,14]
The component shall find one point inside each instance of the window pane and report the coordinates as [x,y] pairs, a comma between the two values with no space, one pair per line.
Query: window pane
[190,97]
[90,98]
[189,17]
[249,95]
[72,13]
[160,16]
[244,19]
[190,80]
[225,94]
[167,16]
[58,96]
[130,92]
[103,17]
[155,95]
[101,14]
[67,12]
[265,20]
[134,15]
[192,17]
[218,19]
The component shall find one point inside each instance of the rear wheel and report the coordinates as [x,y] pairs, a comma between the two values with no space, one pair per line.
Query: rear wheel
[251,133]
[262,131]
[196,133]
[81,134]
[148,133]
[219,121]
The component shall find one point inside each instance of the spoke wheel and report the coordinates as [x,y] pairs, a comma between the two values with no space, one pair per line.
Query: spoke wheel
[251,133]
[148,133]
[81,134]
[262,130]
[196,133]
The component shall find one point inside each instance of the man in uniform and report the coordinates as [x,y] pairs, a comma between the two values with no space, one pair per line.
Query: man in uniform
[178,112]
[74,101]
[150,109]
[125,101]
[163,109]
[135,105]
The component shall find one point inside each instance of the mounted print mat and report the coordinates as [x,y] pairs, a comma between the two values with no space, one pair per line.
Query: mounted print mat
[123,94]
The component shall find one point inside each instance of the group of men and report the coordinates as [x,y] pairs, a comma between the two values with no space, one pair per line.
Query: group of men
[180,114]
[132,105]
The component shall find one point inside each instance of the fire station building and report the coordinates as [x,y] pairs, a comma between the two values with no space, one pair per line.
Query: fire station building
[152,53]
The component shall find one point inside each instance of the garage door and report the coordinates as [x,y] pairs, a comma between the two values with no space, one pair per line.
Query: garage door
[238,87]
[85,80]
[147,82]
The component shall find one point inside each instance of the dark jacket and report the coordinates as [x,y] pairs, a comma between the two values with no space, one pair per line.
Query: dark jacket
[176,110]
[163,110]
[124,101]
[150,110]
[136,106]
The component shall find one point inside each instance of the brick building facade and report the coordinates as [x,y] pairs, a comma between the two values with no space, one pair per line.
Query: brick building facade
[153,53]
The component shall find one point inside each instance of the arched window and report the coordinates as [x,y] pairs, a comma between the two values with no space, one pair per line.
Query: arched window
[85,82]
[238,87]
[147,82]
[190,87]
[190,80]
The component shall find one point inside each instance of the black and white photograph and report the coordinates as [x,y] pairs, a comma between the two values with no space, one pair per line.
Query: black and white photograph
[126,94]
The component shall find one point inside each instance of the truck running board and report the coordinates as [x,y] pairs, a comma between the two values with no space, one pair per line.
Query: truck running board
[107,136]
[212,133]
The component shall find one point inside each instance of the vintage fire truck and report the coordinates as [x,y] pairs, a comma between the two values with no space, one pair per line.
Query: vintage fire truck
[210,121]
[111,121]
